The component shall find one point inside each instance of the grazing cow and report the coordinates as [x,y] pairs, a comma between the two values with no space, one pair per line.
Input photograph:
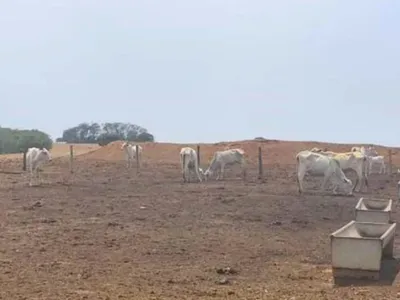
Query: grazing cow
[36,157]
[378,160]
[315,164]
[356,161]
[189,164]
[226,158]
[130,152]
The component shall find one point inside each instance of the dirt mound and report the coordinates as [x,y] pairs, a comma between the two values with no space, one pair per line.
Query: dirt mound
[273,151]
[169,152]
[58,150]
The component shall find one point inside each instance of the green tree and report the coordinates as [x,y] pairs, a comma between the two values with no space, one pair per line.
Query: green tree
[105,133]
[16,141]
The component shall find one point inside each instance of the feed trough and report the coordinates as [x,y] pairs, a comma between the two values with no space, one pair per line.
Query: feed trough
[358,247]
[374,210]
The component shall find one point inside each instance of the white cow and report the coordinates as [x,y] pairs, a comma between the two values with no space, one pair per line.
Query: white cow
[318,149]
[226,158]
[315,164]
[130,152]
[353,160]
[36,157]
[371,153]
[377,160]
[189,163]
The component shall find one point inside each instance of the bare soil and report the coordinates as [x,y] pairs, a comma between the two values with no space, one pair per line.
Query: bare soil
[109,233]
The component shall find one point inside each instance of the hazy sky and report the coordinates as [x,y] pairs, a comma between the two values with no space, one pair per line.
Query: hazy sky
[206,70]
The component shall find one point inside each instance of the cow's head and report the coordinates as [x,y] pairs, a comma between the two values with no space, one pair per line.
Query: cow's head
[344,184]
[207,174]
[44,155]
[124,145]
[347,186]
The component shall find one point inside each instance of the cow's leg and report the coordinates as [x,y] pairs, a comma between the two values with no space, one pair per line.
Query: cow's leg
[127,160]
[335,187]
[300,178]
[183,174]
[40,176]
[362,179]
[36,175]
[197,173]
[382,169]
[244,170]
[222,171]
[357,181]
[30,176]
[218,173]
[326,178]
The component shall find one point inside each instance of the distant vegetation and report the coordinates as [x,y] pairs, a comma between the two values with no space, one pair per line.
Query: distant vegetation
[102,134]
[17,141]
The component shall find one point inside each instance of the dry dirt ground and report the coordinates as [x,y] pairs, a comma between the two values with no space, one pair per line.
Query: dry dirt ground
[109,233]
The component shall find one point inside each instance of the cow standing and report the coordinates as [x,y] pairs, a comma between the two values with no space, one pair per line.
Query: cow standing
[356,161]
[376,160]
[36,157]
[189,163]
[316,164]
[130,153]
[221,159]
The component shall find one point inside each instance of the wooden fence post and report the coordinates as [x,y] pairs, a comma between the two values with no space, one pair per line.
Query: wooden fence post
[390,162]
[198,155]
[260,164]
[71,158]
[24,161]
[137,158]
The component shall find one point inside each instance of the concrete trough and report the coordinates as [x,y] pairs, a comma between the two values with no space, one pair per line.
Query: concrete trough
[374,210]
[358,248]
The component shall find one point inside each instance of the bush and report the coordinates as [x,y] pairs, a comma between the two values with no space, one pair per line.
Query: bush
[17,141]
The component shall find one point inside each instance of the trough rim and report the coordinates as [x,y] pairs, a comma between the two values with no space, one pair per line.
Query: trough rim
[388,208]
[381,238]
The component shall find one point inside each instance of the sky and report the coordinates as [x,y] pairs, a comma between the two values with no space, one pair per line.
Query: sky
[204,71]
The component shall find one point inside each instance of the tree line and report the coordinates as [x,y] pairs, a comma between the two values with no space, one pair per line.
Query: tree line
[102,134]
[17,141]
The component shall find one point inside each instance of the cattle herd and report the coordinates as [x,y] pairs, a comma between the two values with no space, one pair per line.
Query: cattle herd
[332,164]
[314,162]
